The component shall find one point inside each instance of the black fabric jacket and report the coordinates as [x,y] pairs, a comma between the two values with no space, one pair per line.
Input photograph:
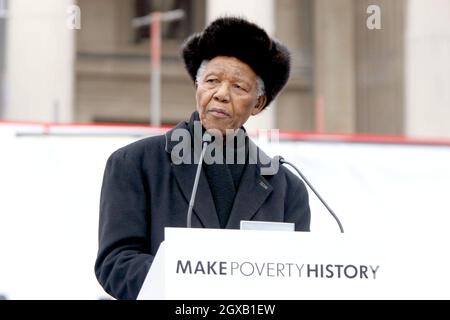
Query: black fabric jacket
[143,192]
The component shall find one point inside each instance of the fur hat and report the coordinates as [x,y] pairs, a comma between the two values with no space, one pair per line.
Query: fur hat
[236,37]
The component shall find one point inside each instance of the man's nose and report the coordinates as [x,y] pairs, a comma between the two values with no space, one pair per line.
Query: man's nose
[223,93]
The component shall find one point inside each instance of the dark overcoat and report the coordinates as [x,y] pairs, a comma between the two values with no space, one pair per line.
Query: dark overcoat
[143,192]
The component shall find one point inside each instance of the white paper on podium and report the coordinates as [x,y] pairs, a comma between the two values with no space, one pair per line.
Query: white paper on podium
[153,287]
[295,265]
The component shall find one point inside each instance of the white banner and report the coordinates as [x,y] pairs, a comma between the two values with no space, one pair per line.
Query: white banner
[50,189]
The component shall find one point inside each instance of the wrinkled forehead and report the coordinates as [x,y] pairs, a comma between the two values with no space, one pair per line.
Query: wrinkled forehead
[230,67]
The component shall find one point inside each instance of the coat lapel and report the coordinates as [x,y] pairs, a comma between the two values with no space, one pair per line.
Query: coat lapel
[253,189]
[252,193]
[204,207]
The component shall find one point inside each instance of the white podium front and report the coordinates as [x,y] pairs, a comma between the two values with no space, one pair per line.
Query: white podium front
[211,264]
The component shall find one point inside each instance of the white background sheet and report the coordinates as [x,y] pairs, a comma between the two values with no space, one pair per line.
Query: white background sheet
[50,189]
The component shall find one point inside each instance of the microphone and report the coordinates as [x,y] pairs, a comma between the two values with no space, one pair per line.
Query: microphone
[206,139]
[282,161]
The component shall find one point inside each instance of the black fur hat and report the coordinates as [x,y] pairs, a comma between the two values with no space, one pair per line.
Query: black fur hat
[236,37]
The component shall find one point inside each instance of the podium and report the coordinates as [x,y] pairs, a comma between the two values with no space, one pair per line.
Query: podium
[217,264]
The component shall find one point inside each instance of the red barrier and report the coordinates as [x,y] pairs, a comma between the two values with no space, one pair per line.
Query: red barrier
[284,135]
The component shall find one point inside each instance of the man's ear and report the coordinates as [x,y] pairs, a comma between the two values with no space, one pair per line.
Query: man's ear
[260,105]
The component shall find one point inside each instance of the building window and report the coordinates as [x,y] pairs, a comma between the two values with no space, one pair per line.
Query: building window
[175,30]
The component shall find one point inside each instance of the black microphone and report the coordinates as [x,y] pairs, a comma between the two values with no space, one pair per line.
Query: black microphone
[282,161]
[205,141]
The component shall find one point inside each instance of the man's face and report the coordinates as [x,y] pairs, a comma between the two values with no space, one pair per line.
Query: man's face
[227,94]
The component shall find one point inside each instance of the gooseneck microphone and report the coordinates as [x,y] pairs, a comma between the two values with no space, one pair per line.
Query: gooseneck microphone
[205,141]
[282,161]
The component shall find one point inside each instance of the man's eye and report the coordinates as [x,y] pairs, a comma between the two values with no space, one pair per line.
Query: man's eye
[239,87]
[211,80]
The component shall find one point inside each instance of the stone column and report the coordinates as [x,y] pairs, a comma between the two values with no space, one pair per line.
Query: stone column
[427,68]
[380,68]
[294,26]
[40,61]
[334,70]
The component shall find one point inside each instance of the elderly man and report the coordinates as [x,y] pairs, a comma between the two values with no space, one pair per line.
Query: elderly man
[237,70]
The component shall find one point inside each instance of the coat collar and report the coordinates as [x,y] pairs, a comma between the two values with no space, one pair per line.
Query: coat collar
[251,195]
[263,162]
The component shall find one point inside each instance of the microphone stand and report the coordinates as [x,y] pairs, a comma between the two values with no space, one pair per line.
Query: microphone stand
[194,189]
[282,161]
